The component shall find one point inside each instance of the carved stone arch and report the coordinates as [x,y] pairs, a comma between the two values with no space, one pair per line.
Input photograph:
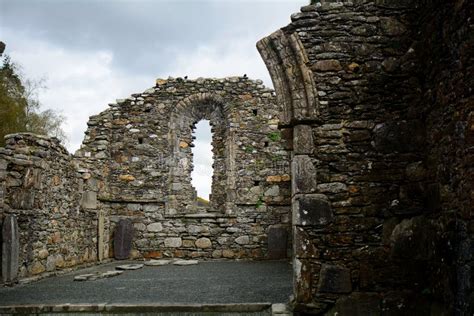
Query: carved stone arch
[287,62]
[187,113]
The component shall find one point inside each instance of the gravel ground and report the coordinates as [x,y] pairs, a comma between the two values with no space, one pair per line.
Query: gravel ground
[204,283]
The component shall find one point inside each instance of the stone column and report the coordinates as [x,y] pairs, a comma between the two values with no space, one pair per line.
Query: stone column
[303,187]
[100,235]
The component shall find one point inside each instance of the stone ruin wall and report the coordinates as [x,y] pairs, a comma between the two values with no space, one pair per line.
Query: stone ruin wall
[141,148]
[376,115]
[377,96]
[135,164]
[52,199]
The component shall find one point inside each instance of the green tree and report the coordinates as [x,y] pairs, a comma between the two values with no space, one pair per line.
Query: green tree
[20,106]
[13,103]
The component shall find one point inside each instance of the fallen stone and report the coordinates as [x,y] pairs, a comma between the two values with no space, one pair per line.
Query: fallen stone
[83,277]
[111,273]
[185,262]
[162,262]
[134,266]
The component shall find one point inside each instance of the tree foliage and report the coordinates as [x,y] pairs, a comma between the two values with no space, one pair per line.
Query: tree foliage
[20,106]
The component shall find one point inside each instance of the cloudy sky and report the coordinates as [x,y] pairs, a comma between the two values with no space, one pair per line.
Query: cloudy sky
[92,52]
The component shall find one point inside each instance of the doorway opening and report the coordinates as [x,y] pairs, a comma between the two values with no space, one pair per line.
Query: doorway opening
[202,172]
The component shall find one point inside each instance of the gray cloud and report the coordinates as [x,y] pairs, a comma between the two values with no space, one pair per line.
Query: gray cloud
[143,34]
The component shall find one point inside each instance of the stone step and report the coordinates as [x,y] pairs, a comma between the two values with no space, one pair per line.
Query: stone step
[281,310]
[238,309]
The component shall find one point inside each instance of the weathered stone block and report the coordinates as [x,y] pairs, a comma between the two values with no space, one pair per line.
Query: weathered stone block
[22,199]
[327,65]
[123,239]
[413,239]
[303,139]
[415,171]
[36,268]
[401,136]
[333,187]
[54,261]
[287,137]
[203,243]
[100,235]
[302,280]
[229,254]
[312,210]
[303,175]
[303,246]
[155,227]
[334,279]
[277,242]
[89,200]
[10,249]
[173,242]
[3,164]
[242,240]
[358,304]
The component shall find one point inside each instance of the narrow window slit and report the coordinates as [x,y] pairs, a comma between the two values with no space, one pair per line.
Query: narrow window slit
[201,176]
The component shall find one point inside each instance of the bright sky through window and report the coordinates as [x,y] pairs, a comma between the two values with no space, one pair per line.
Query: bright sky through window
[202,159]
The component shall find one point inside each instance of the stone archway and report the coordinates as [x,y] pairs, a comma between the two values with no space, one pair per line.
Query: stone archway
[187,113]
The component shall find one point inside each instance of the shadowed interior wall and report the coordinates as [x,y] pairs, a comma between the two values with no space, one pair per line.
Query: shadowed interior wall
[377,100]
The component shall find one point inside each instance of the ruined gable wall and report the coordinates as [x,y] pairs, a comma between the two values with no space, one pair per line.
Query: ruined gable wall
[141,147]
[54,202]
[369,230]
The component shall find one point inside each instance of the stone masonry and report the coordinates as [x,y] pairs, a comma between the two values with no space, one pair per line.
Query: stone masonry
[53,199]
[141,148]
[361,159]
[377,101]
[135,164]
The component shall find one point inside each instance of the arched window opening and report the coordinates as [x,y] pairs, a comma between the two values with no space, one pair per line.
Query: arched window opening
[201,176]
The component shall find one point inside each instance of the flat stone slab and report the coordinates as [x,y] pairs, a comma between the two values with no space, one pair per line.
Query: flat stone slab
[129,266]
[123,237]
[185,262]
[161,262]
[10,249]
[111,273]
[84,277]
[97,275]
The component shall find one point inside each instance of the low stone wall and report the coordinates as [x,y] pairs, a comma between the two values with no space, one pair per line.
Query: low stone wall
[204,235]
[54,201]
